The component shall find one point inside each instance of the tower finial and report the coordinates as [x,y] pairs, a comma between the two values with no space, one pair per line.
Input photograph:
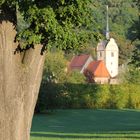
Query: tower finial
[107,24]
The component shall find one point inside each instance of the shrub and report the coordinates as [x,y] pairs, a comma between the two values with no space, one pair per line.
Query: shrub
[119,96]
[75,95]
[134,96]
[88,96]
[102,97]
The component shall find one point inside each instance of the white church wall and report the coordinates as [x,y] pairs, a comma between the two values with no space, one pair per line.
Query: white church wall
[112,63]
[101,55]
[101,80]
[111,59]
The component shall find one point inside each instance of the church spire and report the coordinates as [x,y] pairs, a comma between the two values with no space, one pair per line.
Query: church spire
[107,24]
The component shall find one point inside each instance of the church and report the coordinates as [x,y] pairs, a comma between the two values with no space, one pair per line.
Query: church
[107,50]
[105,68]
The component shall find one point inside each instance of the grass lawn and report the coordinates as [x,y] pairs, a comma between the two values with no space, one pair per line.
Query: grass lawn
[87,125]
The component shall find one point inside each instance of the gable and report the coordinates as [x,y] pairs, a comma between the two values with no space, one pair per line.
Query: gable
[112,45]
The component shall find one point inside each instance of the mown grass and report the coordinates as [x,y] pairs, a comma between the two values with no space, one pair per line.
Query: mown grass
[87,125]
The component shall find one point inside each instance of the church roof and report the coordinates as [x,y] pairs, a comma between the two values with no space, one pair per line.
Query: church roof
[98,69]
[101,45]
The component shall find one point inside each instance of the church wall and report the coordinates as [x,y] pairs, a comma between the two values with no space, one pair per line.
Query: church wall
[101,80]
[111,62]
[101,55]
[112,57]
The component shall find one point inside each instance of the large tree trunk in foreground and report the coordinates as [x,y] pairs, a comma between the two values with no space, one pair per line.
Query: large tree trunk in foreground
[20,78]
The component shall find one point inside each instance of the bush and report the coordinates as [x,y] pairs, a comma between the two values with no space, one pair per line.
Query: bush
[88,96]
[102,97]
[119,96]
[75,95]
[134,96]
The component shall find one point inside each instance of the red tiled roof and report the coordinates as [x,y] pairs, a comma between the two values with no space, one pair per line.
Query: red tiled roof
[98,69]
[78,61]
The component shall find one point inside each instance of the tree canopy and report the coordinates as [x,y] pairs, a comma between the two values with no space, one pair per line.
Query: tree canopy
[122,15]
[135,37]
[61,23]
[72,24]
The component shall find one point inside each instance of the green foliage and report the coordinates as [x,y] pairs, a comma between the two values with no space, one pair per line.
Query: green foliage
[50,97]
[102,97]
[134,97]
[91,96]
[119,96]
[55,67]
[8,2]
[74,24]
[81,95]
[135,59]
[134,70]
[122,15]
[134,31]
[62,24]
[75,77]
[125,48]
[132,75]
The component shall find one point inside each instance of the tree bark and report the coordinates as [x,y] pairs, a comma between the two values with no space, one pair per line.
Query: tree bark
[20,78]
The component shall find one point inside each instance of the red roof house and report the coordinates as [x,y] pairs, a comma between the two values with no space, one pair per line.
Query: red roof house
[80,62]
[97,72]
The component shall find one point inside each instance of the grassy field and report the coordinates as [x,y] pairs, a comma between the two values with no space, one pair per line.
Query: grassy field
[87,125]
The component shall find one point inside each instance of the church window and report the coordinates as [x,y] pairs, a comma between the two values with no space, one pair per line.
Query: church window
[100,54]
[112,54]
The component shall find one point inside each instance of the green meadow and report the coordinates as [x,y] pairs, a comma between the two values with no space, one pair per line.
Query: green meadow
[87,124]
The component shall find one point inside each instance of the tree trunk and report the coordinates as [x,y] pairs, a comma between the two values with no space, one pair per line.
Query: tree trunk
[20,78]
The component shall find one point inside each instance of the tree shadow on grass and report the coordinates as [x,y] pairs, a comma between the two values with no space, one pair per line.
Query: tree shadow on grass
[81,136]
[87,121]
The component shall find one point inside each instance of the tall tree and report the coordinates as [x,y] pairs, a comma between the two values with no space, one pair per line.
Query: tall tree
[134,70]
[135,37]
[122,14]
[59,23]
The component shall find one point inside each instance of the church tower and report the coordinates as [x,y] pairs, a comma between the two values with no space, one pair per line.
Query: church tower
[107,50]
[111,57]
